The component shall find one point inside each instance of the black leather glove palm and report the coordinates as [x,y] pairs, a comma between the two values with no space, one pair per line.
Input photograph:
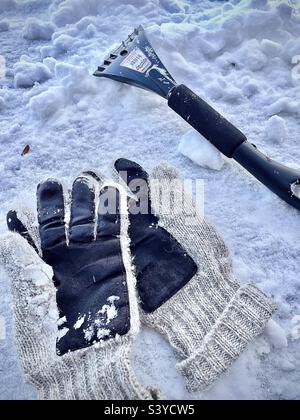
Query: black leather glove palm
[163,265]
[89,273]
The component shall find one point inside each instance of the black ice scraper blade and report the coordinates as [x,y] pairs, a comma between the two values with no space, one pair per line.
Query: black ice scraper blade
[136,63]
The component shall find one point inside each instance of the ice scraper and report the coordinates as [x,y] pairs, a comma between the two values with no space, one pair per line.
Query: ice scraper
[136,63]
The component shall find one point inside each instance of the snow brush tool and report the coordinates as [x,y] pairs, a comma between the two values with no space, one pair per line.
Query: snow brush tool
[135,63]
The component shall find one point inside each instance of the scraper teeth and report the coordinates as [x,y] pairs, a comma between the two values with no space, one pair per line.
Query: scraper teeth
[121,50]
[132,36]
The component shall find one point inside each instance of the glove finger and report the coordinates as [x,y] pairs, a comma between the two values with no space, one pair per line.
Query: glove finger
[108,205]
[15,224]
[98,177]
[82,223]
[137,181]
[166,172]
[130,172]
[172,198]
[51,214]
[109,221]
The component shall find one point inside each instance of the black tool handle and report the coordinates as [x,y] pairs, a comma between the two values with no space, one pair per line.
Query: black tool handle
[278,178]
[233,144]
[207,121]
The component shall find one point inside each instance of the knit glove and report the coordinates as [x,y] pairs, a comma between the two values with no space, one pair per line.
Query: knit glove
[185,282]
[87,356]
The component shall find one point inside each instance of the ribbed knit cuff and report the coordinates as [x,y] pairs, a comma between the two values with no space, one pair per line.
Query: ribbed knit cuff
[188,316]
[244,318]
[92,374]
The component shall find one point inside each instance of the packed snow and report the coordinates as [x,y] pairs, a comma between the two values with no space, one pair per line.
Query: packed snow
[2,103]
[4,25]
[199,150]
[295,333]
[2,329]
[276,129]
[243,57]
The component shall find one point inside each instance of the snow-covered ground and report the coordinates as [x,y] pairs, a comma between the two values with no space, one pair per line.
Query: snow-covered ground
[241,55]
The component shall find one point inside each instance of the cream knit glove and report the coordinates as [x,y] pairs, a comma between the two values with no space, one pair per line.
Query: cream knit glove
[98,369]
[184,267]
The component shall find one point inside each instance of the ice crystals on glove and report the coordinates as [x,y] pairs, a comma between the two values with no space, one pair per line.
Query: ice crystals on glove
[62,333]
[104,316]
[79,322]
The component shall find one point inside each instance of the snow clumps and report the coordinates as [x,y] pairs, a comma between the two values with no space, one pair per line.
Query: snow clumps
[276,130]
[36,29]
[26,74]
[46,104]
